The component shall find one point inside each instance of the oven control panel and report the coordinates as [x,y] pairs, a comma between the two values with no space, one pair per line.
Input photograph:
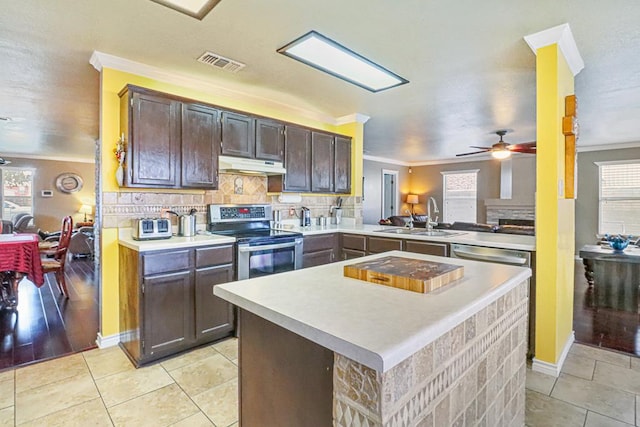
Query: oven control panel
[231,213]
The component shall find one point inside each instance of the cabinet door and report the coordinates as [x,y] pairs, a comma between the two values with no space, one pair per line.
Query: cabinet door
[322,257]
[352,253]
[200,146]
[297,158]
[269,140]
[342,175]
[238,135]
[429,248]
[168,313]
[376,245]
[214,316]
[322,157]
[154,141]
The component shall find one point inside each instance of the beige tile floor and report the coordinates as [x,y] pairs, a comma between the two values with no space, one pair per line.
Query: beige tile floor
[597,388]
[101,387]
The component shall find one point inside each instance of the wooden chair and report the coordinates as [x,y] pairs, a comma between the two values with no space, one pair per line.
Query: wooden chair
[56,264]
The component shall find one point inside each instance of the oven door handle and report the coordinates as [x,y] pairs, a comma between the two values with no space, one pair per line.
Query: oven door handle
[248,248]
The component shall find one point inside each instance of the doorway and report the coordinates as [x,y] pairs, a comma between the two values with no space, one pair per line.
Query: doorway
[389,193]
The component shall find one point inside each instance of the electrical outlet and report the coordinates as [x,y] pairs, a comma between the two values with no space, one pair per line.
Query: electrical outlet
[292,211]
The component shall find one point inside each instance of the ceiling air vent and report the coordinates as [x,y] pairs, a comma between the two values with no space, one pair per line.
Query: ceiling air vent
[219,61]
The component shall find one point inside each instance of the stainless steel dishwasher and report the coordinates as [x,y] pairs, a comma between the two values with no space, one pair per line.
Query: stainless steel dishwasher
[509,257]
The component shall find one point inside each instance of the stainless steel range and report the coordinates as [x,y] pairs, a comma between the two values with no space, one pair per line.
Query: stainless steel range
[260,250]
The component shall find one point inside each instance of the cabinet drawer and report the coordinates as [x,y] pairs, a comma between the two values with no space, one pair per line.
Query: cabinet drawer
[319,243]
[380,244]
[354,241]
[214,255]
[428,248]
[164,262]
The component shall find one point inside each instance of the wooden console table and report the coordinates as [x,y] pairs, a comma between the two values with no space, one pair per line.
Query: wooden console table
[614,276]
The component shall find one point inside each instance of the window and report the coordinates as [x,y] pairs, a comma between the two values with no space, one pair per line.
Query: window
[460,195]
[16,192]
[619,202]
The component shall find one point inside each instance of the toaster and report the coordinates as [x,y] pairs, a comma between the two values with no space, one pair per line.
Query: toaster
[151,229]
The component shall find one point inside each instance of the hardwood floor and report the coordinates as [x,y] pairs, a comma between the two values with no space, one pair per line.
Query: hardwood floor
[602,327]
[47,325]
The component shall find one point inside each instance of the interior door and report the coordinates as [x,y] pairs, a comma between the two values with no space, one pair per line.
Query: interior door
[389,193]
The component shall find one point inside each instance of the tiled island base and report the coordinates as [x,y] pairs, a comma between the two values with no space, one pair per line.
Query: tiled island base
[472,375]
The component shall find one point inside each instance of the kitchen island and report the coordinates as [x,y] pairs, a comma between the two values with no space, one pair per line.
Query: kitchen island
[317,348]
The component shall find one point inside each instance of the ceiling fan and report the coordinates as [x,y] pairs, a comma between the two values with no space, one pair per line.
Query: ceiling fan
[502,150]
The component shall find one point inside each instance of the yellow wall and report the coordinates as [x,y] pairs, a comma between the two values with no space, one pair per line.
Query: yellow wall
[556,215]
[112,82]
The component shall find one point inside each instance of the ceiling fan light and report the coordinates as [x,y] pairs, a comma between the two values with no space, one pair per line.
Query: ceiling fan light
[501,154]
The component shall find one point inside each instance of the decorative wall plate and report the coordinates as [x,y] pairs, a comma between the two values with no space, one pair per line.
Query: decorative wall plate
[69,182]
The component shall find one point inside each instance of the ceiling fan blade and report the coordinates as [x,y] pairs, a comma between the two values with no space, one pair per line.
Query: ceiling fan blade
[525,144]
[474,152]
[530,150]
[482,148]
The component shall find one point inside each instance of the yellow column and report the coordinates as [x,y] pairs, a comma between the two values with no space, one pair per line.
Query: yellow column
[356,130]
[555,215]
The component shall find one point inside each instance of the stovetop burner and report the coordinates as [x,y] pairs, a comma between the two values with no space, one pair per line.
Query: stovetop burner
[247,223]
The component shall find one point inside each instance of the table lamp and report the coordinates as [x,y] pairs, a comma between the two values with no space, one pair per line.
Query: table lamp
[86,209]
[412,199]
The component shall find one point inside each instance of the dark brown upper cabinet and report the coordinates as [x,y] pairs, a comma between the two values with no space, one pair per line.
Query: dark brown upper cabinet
[151,123]
[269,140]
[322,160]
[200,146]
[342,165]
[170,144]
[297,160]
[238,135]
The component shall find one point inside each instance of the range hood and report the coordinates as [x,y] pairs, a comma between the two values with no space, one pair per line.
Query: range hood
[239,165]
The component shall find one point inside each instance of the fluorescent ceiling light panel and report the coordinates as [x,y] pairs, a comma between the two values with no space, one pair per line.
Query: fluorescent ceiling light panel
[326,55]
[195,8]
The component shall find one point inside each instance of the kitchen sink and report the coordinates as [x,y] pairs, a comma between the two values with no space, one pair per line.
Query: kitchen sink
[419,232]
[402,230]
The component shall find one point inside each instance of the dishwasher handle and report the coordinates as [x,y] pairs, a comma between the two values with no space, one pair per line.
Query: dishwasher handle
[503,259]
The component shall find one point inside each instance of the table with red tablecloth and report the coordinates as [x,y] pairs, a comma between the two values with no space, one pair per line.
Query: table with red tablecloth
[20,257]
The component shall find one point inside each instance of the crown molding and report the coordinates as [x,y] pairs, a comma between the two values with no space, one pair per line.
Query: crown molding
[100,60]
[563,37]
[352,118]
[606,147]
[477,158]
[385,160]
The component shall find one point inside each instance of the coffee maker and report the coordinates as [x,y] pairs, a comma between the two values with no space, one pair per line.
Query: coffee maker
[305,217]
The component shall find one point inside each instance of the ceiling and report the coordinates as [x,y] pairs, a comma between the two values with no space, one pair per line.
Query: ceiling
[470,70]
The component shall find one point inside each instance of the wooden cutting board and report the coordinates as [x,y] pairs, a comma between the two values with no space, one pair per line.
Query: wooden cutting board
[405,273]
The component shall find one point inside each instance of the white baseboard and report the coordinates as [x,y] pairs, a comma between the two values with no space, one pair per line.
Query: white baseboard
[110,341]
[551,368]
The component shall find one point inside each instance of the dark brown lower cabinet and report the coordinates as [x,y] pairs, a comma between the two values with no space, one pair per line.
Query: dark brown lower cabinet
[214,316]
[319,249]
[168,312]
[285,379]
[167,303]
[353,246]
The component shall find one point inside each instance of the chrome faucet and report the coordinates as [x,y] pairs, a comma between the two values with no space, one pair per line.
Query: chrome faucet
[409,223]
[430,222]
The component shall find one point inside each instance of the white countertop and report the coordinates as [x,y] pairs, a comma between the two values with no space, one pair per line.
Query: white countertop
[175,242]
[492,240]
[376,325]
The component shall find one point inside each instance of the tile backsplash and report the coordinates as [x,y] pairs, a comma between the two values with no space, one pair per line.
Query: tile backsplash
[119,208]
